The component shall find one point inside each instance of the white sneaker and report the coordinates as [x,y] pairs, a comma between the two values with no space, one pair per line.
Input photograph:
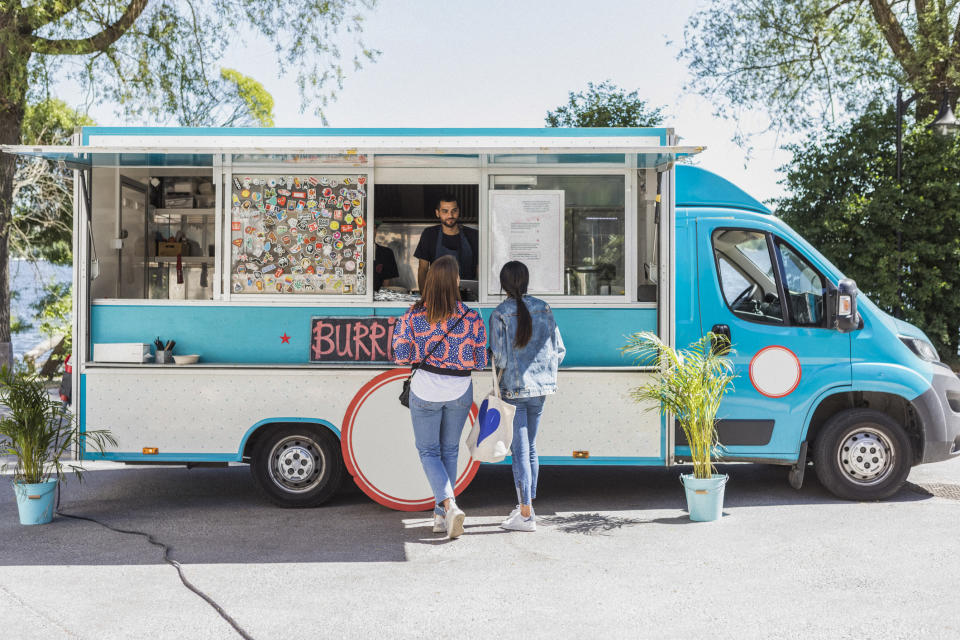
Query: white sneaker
[454,521]
[439,523]
[515,513]
[519,523]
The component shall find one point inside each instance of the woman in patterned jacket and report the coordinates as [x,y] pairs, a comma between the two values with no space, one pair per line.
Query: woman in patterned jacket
[441,391]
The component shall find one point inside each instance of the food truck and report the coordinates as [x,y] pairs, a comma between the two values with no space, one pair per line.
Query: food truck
[226,311]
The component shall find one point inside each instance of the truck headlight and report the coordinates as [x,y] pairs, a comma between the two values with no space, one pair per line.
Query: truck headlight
[922,348]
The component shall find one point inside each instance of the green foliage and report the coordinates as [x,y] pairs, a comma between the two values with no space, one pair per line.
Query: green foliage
[42,191]
[51,121]
[257,101]
[54,309]
[605,105]
[37,430]
[812,61]
[845,200]
[157,59]
[690,385]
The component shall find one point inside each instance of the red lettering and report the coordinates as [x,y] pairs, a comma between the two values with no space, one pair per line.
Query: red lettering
[390,322]
[360,332]
[377,332]
[323,343]
[343,348]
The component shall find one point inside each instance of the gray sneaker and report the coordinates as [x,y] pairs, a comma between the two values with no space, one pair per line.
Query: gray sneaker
[454,521]
[439,523]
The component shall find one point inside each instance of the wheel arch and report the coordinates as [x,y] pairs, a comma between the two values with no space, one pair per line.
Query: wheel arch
[258,430]
[893,404]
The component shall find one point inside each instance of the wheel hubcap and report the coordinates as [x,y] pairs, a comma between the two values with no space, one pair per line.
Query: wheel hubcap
[296,463]
[866,456]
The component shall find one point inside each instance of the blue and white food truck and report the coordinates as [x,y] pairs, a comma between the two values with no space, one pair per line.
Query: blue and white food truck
[259,251]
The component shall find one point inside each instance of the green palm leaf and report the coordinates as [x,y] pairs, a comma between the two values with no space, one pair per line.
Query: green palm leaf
[690,384]
[38,430]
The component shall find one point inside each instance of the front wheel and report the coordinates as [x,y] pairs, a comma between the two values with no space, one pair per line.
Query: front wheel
[297,465]
[862,454]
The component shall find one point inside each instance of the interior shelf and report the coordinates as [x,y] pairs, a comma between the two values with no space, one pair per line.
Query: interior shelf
[184,260]
[184,212]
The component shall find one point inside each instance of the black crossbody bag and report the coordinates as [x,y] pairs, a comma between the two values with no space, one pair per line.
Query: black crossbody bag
[405,393]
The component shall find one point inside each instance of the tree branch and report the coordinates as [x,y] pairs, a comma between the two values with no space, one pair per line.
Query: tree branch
[826,14]
[893,33]
[94,43]
[956,44]
[32,18]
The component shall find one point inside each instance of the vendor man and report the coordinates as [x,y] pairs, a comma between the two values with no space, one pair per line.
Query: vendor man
[448,238]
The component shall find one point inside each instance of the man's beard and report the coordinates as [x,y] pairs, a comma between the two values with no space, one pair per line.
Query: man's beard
[450,222]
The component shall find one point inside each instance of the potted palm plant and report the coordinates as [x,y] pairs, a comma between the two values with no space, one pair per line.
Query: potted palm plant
[690,384]
[37,430]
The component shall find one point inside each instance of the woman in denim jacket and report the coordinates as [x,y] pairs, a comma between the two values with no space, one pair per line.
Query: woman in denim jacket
[527,349]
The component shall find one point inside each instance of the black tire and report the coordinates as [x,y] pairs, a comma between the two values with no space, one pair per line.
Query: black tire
[862,454]
[297,465]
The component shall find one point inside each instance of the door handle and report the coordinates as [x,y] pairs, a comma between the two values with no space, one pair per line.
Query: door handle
[722,339]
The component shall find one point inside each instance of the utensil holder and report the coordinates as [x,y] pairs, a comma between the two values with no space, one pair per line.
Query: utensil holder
[164,357]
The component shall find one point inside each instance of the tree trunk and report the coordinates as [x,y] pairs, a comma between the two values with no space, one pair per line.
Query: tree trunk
[13,85]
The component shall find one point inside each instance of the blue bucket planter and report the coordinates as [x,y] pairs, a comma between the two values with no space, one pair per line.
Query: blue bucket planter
[704,496]
[35,501]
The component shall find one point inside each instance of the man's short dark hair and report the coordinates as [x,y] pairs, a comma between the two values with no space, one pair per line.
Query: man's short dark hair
[446,197]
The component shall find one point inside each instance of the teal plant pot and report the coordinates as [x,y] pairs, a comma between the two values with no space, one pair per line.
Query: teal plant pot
[704,496]
[35,501]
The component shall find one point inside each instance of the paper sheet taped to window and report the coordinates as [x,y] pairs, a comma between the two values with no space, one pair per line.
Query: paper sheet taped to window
[528,226]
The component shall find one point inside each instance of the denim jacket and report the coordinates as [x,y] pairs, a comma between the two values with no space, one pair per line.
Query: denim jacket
[531,370]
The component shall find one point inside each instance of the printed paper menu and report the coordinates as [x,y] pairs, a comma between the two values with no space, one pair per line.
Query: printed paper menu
[528,226]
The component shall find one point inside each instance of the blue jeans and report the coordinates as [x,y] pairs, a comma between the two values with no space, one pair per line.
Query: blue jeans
[523,449]
[436,430]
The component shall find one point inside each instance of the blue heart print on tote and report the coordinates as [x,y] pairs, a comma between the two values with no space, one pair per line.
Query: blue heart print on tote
[489,421]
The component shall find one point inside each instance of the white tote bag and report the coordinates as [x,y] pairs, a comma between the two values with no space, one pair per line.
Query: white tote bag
[492,432]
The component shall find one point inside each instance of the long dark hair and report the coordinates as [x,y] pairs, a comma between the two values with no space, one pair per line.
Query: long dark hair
[514,278]
[440,290]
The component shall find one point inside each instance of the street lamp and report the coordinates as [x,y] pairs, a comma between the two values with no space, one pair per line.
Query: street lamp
[945,125]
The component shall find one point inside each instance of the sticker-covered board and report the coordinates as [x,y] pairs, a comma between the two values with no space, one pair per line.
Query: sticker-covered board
[298,234]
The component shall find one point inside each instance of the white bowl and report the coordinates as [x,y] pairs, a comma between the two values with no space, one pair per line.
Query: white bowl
[186,359]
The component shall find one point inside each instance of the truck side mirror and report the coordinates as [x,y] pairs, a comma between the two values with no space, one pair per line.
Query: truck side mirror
[844,311]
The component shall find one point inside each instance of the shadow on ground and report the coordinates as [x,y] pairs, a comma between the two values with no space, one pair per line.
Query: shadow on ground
[216,516]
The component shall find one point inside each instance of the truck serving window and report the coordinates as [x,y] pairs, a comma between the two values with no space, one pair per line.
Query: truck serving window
[746,274]
[152,233]
[594,215]
[298,234]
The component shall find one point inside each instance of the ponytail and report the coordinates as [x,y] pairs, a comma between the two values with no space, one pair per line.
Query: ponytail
[514,278]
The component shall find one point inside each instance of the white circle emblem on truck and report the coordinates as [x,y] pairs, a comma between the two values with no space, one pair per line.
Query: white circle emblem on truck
[775,371]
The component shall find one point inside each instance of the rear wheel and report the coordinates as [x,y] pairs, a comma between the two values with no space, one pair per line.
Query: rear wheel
[862,454]
[297,465]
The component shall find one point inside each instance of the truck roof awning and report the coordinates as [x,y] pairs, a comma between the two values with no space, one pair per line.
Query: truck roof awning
[186,151]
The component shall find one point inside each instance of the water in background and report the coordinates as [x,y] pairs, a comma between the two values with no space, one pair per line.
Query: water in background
[28,278]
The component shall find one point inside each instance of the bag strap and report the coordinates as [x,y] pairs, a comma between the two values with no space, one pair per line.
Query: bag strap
[413,368]
[496,379]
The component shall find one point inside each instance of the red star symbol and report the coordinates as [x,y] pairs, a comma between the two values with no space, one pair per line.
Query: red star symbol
[285,339]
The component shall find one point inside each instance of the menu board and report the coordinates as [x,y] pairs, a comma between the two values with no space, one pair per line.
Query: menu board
[298,234]
[527,226]
[351,339]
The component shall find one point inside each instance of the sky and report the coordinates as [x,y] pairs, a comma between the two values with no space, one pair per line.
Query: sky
[499,63]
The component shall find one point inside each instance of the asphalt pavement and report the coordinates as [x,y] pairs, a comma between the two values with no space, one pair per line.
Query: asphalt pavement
[615,556]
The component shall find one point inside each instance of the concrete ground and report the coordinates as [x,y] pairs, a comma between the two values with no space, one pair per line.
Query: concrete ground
[615,556]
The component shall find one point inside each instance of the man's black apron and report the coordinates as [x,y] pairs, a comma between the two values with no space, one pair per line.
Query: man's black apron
[463,255]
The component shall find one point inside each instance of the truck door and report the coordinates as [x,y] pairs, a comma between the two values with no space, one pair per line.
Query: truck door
[769,299]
